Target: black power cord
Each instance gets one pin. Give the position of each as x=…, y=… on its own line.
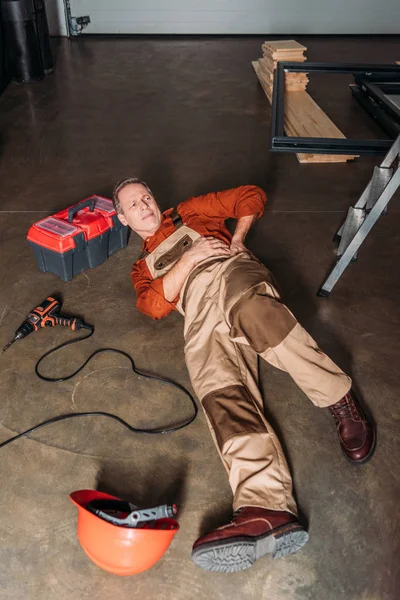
x=100, y=413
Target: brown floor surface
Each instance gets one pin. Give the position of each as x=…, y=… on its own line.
x=188, y=116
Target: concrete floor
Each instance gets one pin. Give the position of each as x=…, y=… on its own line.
x=188, y=116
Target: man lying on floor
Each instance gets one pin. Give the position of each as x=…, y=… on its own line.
x=233, y=313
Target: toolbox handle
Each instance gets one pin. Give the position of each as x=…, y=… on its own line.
x=74, y=209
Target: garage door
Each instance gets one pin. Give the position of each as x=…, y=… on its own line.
x=239, y=16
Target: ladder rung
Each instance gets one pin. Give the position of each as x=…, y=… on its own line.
x=380, y=179
x=354, y=220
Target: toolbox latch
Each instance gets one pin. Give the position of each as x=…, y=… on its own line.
x=80, y=242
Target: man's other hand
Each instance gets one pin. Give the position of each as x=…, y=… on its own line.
x=237, y=246
x=206, y=247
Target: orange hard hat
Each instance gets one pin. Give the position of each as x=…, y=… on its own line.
x=120, y=550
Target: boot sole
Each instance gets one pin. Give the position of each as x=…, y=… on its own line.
x=237, y=554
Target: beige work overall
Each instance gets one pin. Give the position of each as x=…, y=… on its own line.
x=233, y=313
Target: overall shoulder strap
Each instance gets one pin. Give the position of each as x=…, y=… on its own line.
x=143, y=254
x=176, y=218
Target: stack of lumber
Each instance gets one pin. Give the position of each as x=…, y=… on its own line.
x=303, y=116
x=274, y=52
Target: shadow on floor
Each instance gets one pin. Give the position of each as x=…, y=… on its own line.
x=155, y=488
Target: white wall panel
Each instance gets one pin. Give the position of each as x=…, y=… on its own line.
x=238, y=16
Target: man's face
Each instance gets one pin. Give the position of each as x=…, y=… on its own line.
x=139, y=210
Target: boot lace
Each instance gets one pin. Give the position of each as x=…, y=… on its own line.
x=342, y=409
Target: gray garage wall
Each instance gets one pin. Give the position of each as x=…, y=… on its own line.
x=232, y=16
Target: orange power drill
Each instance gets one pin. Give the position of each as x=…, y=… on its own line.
x=46, y=315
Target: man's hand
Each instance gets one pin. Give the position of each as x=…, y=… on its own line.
x=202, y=248
x=237, y=246
x=205, y=247
x=242, y=227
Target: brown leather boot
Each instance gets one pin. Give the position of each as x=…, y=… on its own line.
x=356, y=434
x=252, y=533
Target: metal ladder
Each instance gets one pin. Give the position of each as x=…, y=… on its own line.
x=363, y=216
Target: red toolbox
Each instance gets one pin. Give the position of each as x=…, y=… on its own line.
x=80, y=237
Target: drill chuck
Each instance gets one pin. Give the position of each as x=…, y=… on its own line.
x=25, y=329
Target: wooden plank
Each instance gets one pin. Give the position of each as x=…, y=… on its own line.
x=266, y=75
x=298, y=87
x=296, y=76
x=308, y=118
x=264, y=84
x=284, y=52
x=323, y=158
x=289, y=80
x=283, y=55
x=274, y=60
x=264, y=65
x=284, y=45
x=308, y=122
x=316, y=158
x=271, y=65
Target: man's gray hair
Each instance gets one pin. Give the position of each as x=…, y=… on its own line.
x=120, y=186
